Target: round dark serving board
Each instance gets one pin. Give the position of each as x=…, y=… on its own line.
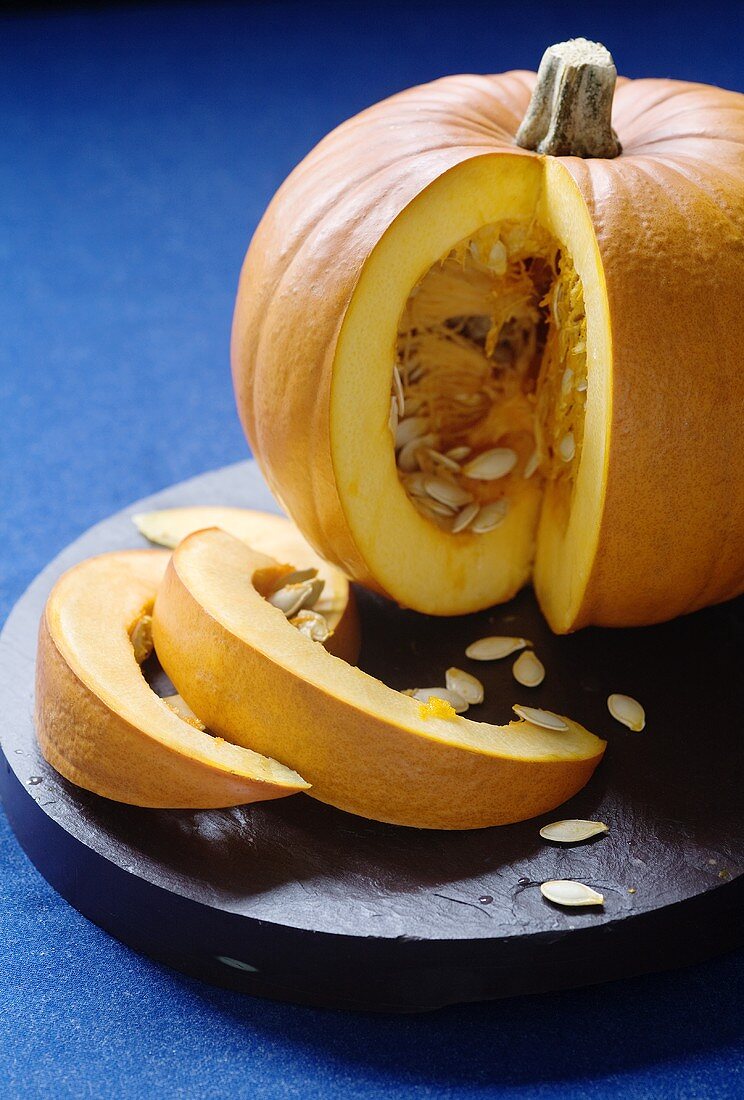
x=298, y=901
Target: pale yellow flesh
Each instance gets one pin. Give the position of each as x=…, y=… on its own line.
x=363, y=746
x=405, y=552
x=101, y=724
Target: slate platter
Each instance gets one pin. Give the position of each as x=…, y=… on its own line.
x=297, y=901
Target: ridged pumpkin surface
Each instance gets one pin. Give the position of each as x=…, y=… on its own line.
x=662, y=529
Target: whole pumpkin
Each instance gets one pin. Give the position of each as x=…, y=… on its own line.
x=463, y=361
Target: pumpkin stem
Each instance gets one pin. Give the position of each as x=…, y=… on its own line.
x=571, y=107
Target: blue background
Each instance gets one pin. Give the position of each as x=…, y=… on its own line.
x=138, y=149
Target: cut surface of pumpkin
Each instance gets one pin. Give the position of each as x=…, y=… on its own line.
x=98, y=721
x=364, y=747
x=520, y=337
x=278, y=538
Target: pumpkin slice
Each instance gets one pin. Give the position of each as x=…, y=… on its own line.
x=98, y=721
x=479, y=336
x=364, y=747
x=277, y=537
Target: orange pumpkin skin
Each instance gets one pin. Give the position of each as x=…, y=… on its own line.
x=668, y=218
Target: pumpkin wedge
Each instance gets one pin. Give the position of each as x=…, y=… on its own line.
x=364, y=748
x=280, y=539
x=482, y=336
x=100, y=724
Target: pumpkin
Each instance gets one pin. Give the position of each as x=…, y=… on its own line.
x=481, y=337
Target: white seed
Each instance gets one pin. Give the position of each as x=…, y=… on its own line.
x=545, y=719
x=489, y=517
x=470, y=399
x=438, y=508
x=293, y=598
x=455, y=700
x=408, y=457
x=464, y=517
x=458, y=453
x=412, y=428
x=528, y=670
x=447, y=492
x=443, y=460
x=531, y=465
x=497, y=258
x=572, y=831
x=493, y=464
x=627, y=710
x=398, y=387
x=567, y=447
x=414, y=483
x=495, y=648
x=393, y=416
x=565, y=891
x=582, y=385
x=474, y=250
x=567, y=380
x=313, y=625
x=461, y=682
x=297, y=576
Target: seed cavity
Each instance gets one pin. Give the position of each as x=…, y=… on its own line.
x=528, y=670
x=627, y=710
x=493, y=464
x=564, y=891
x=543, y=718
x=466, y=686
x=573, y=830
x=495, y=648
x=295, y=576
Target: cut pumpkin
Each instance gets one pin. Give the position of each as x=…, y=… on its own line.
x=463, y=363
x=365, y=748
x=278, y=538
x=98, y=721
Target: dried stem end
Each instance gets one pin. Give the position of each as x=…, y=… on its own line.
x=571, y=107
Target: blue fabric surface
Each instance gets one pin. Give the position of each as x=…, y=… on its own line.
x=139, y=148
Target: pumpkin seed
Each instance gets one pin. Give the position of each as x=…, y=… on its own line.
x=528, y=670
x=297, y=576
x=408, y=456
x=489, y=517
x=439, y=508
x=461, y=682
x=443, y=460
x=457, y=454
x=455, y=700
x=531, y=465
x=398, y=387
x=293, y=598
x=567, y=380
x=464, y=517
x=313, y=625
x=393, y=416
x=545, y=719
x=409, y=429
x=572, y=831
x=564, y=891
x=414, y=483
x=582, y=385
x=567, y=447
x=447, y=492
x=627, y=710
x=494, y=648
x=491, y=465
x=497, y=258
